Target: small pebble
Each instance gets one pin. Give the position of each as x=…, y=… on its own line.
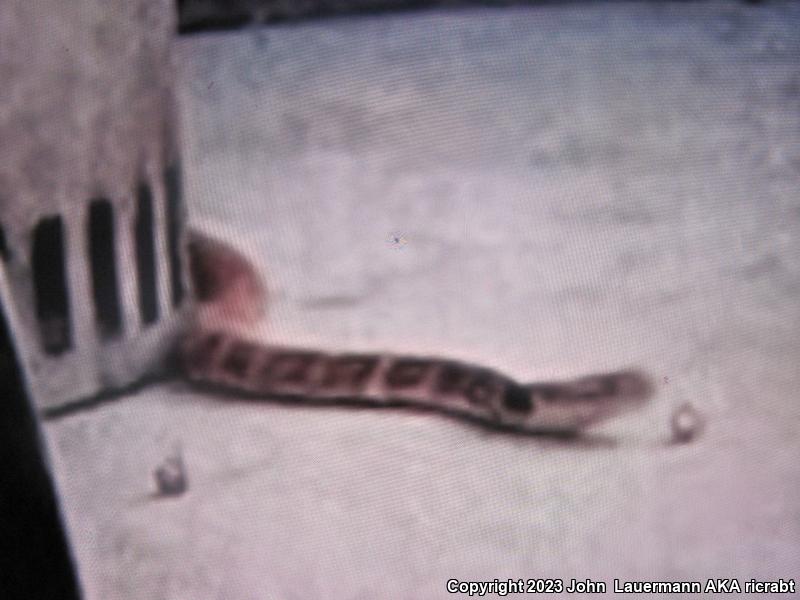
x=171, y=476
x=687, y=424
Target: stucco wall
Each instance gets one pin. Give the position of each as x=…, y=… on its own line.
x=87, y=113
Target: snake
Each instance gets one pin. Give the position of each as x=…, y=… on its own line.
x=213, y=357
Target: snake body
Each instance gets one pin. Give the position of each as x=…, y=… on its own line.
x=221, y=359
x=226, y=361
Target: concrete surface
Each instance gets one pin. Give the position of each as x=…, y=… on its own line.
x=550, y=191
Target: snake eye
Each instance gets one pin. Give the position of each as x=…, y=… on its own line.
x=518, y=399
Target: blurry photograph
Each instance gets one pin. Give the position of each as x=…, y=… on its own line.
x=349, y=300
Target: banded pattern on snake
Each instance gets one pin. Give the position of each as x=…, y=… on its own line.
x=226, y=361
x=228, y=289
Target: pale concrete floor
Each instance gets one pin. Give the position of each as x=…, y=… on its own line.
x=574, y=189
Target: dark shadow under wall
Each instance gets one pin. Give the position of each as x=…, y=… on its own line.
x=202, y=15
x=205, y=15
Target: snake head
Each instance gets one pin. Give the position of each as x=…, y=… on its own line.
x=569, y=407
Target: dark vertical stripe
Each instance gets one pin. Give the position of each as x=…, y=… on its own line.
x=5, y=251
x=172, y=183
x=50, y=285
x=517, y=398
x=103, y=261
x=35, y=560
x=144, y=233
